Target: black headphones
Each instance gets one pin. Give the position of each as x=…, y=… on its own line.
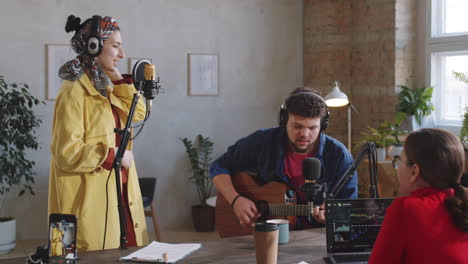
x=284, y=115
x=94, y=42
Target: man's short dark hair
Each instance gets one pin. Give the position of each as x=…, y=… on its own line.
x=306, y=102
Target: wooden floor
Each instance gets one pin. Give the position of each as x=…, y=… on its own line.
x=26, y=247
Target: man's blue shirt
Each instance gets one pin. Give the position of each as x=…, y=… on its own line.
x=264, y=152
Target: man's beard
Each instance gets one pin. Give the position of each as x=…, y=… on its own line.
x=298, y=150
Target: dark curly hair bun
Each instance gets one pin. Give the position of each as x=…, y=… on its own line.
x=73, y=23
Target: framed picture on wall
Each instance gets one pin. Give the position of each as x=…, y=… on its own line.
x=57, y=55
x=203, y=74
x=132, y=61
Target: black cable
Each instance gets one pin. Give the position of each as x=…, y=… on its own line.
x=142, y=124
x=372, y=156
x=141, y=128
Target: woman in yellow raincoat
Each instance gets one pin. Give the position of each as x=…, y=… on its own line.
x=56, y=241
x=94, y=99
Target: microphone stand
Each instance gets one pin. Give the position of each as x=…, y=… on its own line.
x=368, y=149
x=117, y=165
x=311, y=190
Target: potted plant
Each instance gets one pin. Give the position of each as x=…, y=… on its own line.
x=200, y=154
x=382, y=138
x=396, y=132
x=416, y=104
x=17, y=134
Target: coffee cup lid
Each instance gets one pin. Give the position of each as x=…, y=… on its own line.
x=266, y=226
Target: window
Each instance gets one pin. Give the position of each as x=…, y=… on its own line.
x=447, y=47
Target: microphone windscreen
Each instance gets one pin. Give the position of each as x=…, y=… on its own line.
x=311, y=169
x=138, y=72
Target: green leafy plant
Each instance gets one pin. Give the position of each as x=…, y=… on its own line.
x=416, y=102
x=17, y=134
x=460, y=76
x=464, y=129
x=395, y=127
x=382, y=135
x=200, y=154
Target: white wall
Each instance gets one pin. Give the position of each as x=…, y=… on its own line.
x=259, y=43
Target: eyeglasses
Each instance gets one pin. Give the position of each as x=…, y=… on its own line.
x=397, y=160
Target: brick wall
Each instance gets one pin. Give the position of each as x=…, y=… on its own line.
x=368, y=45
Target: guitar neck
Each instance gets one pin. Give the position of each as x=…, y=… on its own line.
x=288, y=209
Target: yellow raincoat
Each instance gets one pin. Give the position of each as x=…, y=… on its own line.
x=82, y=133
x=56, y=242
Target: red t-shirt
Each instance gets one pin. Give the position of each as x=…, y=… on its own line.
x=419, y=229
x=293, y=170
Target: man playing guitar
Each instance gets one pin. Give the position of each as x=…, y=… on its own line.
x=276, y=154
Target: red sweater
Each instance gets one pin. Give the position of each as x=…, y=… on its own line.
x=419, y=229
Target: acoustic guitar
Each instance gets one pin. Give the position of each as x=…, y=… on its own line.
x=270, y=200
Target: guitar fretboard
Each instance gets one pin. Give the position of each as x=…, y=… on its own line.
x=287, y=209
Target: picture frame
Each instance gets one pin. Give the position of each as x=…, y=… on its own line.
x=57, y=55
x=203, y=74
x=132, y=61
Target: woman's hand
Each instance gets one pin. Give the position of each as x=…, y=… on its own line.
x=113, y=74
x=127, y=159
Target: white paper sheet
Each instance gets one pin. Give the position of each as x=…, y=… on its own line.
x=155, y=250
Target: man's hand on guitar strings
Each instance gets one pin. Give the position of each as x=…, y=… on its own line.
x=246, y=211
x=319, y=214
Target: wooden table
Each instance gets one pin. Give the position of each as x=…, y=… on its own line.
x=305, y=245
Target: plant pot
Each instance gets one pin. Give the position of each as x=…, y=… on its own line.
x=381, y=154
x=203, y=218
x=7, y=234
x=394, y=150
x=410, y=124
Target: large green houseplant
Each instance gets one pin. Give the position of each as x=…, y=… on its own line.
x=200, y=155
x=17, y=135
x=415, y=102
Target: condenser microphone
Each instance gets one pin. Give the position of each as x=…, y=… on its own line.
x=311, y=173
x=150, y=84
x=145, y=80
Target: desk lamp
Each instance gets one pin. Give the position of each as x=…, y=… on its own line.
x=336, y=98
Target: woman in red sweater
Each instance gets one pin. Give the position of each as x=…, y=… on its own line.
x=429, y=224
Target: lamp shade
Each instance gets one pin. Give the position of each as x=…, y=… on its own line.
x=336, y=97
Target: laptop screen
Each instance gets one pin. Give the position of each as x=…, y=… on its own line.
x=352, y=225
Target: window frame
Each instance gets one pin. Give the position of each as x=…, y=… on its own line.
x=439, y=44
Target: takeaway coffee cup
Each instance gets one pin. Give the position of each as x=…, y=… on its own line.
x=283, y=225
x=266, y=243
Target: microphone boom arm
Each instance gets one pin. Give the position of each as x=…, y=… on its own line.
x=368, y=149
